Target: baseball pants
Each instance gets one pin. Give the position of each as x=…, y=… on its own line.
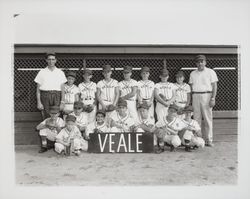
x=193, y=140
x=161, y=111
x=49, y=98
x=151, y=110
x=49, y=134
x=77, y=145
x=132, y=109
x=106, y=103
x=203, y=110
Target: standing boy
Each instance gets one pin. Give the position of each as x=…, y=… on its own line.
x=164, y=94
x=146, y=90
x=203, y=83
x=183, y=92
x=88, y=95
x=128, y=91
x=107, y=91
x=70, y=94
x=49, y=128
x=49, y=86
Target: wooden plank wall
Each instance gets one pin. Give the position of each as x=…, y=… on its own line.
x=225, y=129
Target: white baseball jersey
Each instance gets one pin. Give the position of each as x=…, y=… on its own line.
x=181, y=92
x=173, y=127
x=146, y=89
x=125, y=122
x=90, y=128
x=193, y=125
x=166, y=89
x=70, y=92
x=82, y=119
x=126, y=87
x=107, y=89
x=65, y=134
x=87, y=92
x=149, y=121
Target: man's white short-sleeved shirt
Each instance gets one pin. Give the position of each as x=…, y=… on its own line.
x=107, y=89
x=50, y=80
x=201, y=80
x=126, y=87
x=146, y=88
x=166, y=89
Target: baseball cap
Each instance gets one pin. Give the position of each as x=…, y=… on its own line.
x=180, y=74
x=103, y=112
x=78, y=105
x=54, y=109
x=87, y=71
x=127, y=69
x=50, y=54
x=107, y=68
x=200, y=57
x=174, y=107
x=71, y=118
x=71, y=73
x=144, y=105
x=145, y=69
x=164, y=72
x=188, y=109
x=122, y=102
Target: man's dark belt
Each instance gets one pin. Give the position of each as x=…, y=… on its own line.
x=145, y=99
x=201, y=92
x=52, y=91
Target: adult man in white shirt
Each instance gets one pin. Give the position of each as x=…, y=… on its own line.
x=49, y=85
x=203, y=83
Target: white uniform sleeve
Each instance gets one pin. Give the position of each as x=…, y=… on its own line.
x=196, y=126
x=134, y=83
x=61, y=122
x=188, y=88
x=99, y=84
x=94, y=87
x=191, y=78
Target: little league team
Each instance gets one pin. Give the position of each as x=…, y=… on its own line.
x=71, y=113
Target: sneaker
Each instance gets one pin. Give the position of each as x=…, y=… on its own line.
x=209, y=144
x=172, y=148
x=188, y=148
x=43, y=149
x=77, y=152
x=159, y=150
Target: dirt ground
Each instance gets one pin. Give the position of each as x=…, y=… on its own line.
x=208, y=166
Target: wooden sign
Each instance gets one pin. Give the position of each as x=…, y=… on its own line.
x=121, y=143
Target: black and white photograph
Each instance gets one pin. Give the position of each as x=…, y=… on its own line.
x=125, y=99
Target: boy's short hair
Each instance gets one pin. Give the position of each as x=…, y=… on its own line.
x=78, y=105
x=180, y=74
x=54, y=109
x=71, y=74
x=122, y=102
x=173, y=107
x=144, y=105
x=103, y=112
x=50, y=54
x=71, y=118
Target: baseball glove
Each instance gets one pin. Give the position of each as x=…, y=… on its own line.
x=110, y=108
x=97, y=130
x=163, y=97
x=89, y=108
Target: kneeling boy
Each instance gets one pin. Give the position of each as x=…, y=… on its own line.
x=70, y=136
x=49, y=128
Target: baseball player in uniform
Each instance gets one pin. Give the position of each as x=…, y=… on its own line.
x=99, y=126
x=192, y=133
x=107, y=91
x=203, y=83
x=183, y=92
x=164, y=94
x=88, y=94
x=146, y=90
x=70, y=93
x=120, y=120
x=168, y=129
x=70, y=136
x=81, y=116
x=128, y=91
x=49, y=128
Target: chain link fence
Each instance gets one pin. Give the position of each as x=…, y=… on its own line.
x=26, y=67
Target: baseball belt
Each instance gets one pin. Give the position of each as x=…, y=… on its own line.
x=204, y=92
